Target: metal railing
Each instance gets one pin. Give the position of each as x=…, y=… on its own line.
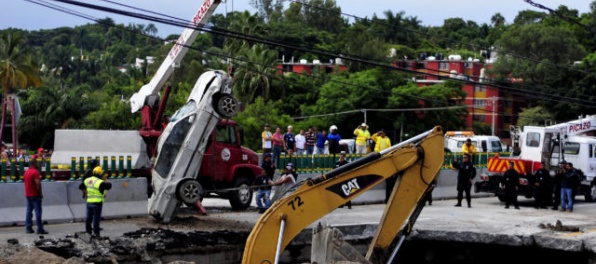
x=321, y=163
x=14, y=171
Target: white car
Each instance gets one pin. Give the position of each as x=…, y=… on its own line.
x=347, y=145
x=182, y=144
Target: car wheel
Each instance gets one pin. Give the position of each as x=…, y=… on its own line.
x=189, y=192
x=591, y=195
x=241, y=198
x=226, y=106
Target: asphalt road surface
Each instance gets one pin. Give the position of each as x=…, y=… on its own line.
x=487, y=215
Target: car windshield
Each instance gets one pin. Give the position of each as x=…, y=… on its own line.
x=171, y=146
x=189, y=107
x=461, y=143
x=496, y=146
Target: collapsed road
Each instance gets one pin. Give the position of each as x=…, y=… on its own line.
x=220, y=236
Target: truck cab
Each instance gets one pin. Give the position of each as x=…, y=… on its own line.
x=227, y=164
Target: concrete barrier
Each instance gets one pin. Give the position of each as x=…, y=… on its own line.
x=55, y=203
x=127, y=198
x=76, y=202
x=76, y=143
x=13, y=205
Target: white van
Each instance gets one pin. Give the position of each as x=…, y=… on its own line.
x=454, y=140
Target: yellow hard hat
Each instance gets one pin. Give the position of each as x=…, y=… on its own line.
x=98, y=171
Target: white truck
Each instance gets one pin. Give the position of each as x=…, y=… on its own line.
x=454, y=140
x=572, y=141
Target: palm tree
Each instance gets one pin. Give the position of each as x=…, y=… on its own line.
x=51, y=107
x=17, y=70
x=246, y=24
x=254, y=73
x=150, y=29
x=60, y=62
x=497, y=20
x=16, y=64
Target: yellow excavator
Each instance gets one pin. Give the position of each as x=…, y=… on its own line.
x=414, y=164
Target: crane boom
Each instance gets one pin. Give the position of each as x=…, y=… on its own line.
x=175, y=55
x=580, y=126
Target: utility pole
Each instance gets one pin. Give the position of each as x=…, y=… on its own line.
x=401, y=127
x=494, y=114
x=364, y=111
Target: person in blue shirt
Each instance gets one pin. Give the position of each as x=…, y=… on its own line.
x=321, y=138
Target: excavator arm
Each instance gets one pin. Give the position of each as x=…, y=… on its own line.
x=415, y=163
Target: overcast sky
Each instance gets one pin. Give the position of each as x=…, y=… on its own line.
x=26, y=15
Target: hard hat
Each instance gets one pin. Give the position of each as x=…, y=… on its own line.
x=289, y=166
x=333, y=127
x=98, y=171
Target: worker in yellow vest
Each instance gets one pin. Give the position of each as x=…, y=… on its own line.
x=381, y=141
x=96, y=187
x=362, y=135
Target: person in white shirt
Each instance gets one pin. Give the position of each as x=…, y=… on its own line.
x=267, y=139
x=285, y=182
x=300, y=143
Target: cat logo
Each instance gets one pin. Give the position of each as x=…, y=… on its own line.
x=350, y=187
x=354, y=186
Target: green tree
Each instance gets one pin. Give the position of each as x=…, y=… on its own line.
x=445, y=94
x=255, y=116
x=527, y=17
x=247, y=24
x=323, y=15
x=253, y=73
x=113, y=114
x=497, y=20
x=534, y=116
x=17, y=69
x=367, y=89
x=51, y=107
x=268, y=9
x=539, y=55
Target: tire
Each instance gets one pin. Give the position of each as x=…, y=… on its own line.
x=226, y=106
x=591, y=195
x=240, y=199
x=189, y=192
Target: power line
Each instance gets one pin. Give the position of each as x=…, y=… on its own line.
x=561, y=16
x=383, y=110
x=227, y=33
x=473, y=46
x=239, y=59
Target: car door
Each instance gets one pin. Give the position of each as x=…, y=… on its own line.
x=227, y=152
